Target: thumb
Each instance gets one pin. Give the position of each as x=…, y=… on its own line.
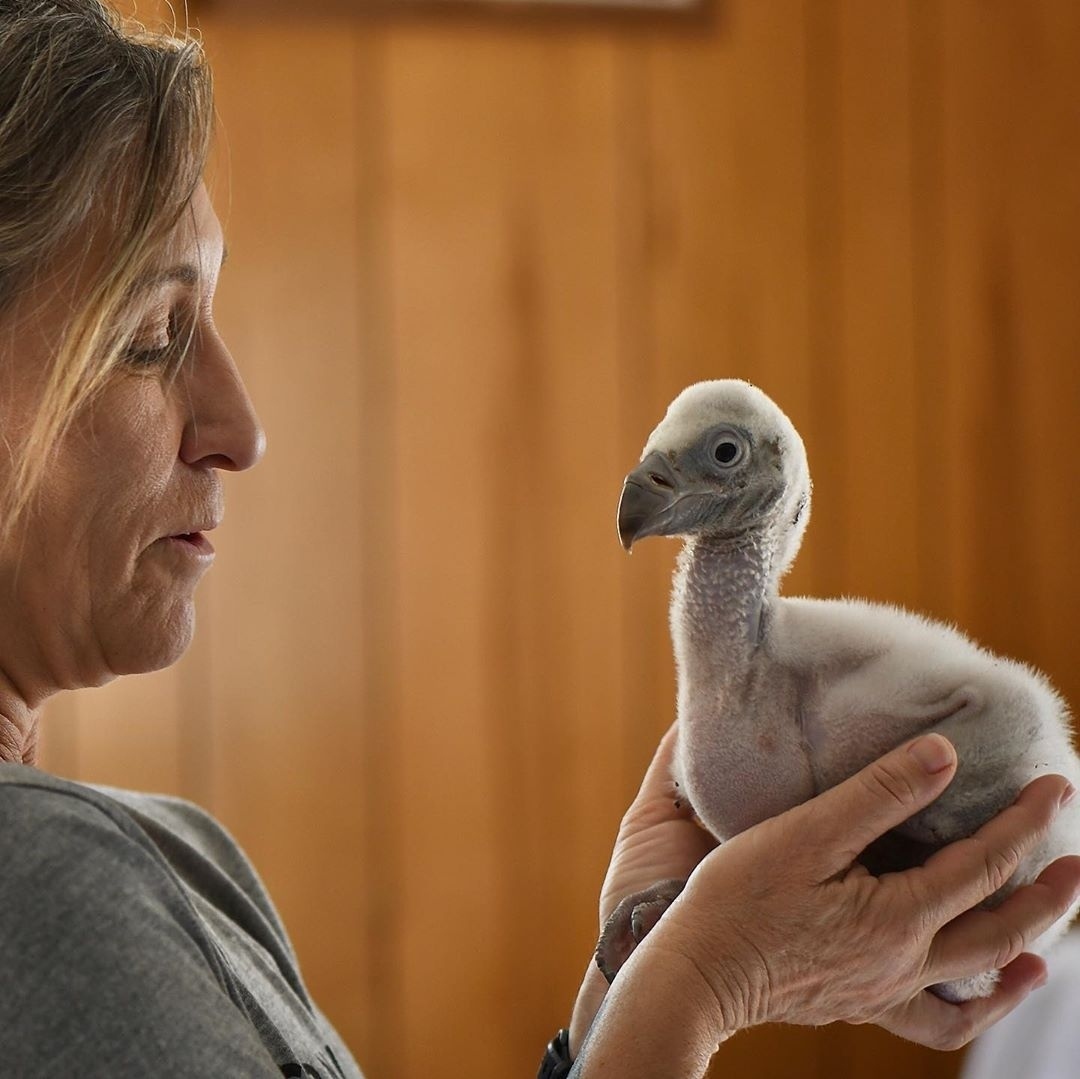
x=850, y=816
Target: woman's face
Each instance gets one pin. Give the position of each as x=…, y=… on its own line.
x=100, y=589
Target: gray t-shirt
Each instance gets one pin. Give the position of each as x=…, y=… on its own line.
x=136, y=940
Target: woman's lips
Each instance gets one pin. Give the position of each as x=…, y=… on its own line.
x=195, y=541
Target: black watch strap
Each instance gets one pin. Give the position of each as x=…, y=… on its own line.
x=557, y=1062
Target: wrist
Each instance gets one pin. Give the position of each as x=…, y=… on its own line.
x=713, y=989
x=660, y=1017
x=722, y=959
x=594, y=987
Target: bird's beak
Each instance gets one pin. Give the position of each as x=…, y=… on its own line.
x=648, y=494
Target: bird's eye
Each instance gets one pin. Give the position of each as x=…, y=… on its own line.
x=728, y=451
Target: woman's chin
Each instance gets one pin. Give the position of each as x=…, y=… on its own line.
x=155, y=647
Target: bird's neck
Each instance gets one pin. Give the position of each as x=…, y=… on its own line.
x=721, y=594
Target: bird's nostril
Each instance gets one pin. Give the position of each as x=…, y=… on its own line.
x=660, y=481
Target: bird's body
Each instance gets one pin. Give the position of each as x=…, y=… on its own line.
x=780, y=698
x=830, y=685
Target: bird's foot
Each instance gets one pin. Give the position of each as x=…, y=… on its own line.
x=630, y=923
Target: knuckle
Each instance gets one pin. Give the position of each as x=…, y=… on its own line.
x=999, y=863
x=957, y=1035
x=862, y=1014
x=1013, y=945
x=882, y=782
x=949, y=1042
x=913, y=918
x=940, y=1040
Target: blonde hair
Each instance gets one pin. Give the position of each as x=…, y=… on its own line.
x=105, y=129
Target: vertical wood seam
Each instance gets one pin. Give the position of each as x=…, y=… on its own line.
x=823, y=255
x=379, y=660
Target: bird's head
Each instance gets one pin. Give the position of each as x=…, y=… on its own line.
x=723, y=462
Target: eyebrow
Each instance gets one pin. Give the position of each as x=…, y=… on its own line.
x=184, y=274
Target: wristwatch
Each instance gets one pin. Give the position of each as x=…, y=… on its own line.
x=557, y=1063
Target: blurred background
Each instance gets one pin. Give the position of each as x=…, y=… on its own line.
x=474, y=254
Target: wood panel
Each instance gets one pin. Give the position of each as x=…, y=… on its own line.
x=446, y=236
x=878, y=388
x=1046, y=218
x=1011, y=116
x=287, y=753
x=503, y=233
x=472, y=262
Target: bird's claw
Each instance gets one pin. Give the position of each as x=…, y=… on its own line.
x=630, y=923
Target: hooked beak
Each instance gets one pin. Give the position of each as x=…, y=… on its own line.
x=648, y=494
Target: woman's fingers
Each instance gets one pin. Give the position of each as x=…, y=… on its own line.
x=879, y=797
x=985, y=939
x=931, y=1021
x=967, y=871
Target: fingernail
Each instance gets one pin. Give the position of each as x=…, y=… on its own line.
x=1068, y=795
x=932, y=752
x=1041, y=982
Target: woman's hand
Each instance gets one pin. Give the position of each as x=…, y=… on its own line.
x=781, y=924
x=786, y=926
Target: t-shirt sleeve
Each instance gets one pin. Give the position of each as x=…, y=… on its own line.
x=106, y=971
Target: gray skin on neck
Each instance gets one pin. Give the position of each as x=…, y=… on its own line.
x=722, y=587
x=743, y=753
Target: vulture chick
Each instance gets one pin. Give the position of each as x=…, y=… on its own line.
x=780, y=698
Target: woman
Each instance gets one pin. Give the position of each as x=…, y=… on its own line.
x=136, y=939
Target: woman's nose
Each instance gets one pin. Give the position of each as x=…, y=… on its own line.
x=221, y=429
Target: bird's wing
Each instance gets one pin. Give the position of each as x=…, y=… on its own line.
x=877, y=675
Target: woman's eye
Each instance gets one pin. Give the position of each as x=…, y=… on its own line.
x=152, y=355
x=147, y=357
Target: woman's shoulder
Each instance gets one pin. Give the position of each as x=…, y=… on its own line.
x=63, y=839
x=176, y=816
x=45, y=815
x=110, y=965
x=30, y=798
x=192, y=840
x=77, y=861
x=73, y=859
x=59, y=837
x=51, y=810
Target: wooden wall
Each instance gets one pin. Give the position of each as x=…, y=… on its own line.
x=472, y=260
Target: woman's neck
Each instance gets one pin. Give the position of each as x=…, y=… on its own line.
x=19, y=725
